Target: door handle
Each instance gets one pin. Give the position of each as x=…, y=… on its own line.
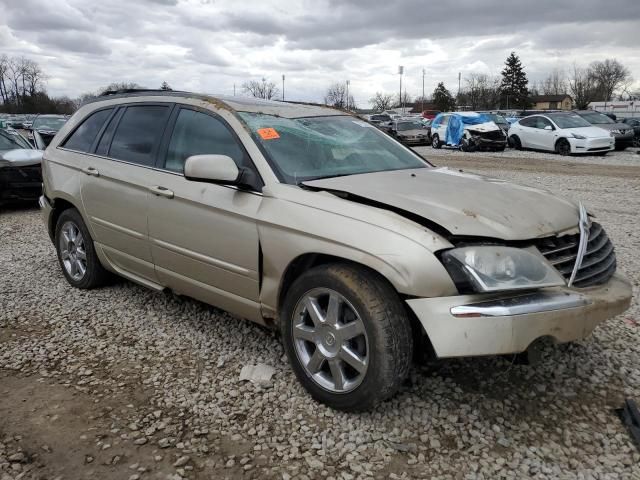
x=161, y=191
x=91, y=171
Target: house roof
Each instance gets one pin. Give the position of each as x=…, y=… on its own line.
x=550, y=98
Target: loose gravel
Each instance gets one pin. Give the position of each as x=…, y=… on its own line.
x=122, y=382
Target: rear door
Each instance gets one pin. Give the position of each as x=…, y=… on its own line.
x=441, y=129
x=204, y=236
x=526, y=132
x=115, y=193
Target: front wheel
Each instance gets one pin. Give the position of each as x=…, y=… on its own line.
x=514, y=141
x=563, y=147
x=347, y=336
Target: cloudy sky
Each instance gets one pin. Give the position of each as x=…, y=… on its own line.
x=210, y=45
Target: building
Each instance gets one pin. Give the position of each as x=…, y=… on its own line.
x=620, y=108
x=551, y=102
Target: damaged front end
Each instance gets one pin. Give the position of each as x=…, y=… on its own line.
x=476, y=139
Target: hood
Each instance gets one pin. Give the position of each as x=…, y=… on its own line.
x=463, y=204
x=417, y=131
x=590, y=132
x=613, y=126
x=20, y=157
x=483, y=127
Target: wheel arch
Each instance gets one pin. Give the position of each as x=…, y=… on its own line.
x=59, y=205
x=306, y=261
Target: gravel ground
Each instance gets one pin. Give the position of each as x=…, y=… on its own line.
x=125, y=383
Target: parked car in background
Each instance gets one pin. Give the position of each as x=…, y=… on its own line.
x=468, y=131
x=563, y=133
x=635, y=124
x=47, y=126
x=20, y=170
x=500, y=121
x=410, y=132
x=15, y=121
x=622, y=132
x=378, y=118
x=430, y=114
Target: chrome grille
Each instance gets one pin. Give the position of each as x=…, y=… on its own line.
x=598, y=264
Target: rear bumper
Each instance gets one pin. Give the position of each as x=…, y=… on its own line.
x=470, y=325
x=45, y=210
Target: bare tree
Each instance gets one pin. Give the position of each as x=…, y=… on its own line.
x=554, y=84
x=401, y=102
x=263, y=89
x=336, y=96
x=381, y=101
x=609, y=76
x=481, y=92
x=582, y=86
x=115, y=86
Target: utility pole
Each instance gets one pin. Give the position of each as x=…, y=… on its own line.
x=423, y=72
x=234, y=89
x=400, y=72
x=283, y=87
x=459, y=78
x=347, y=94
x=264, y=88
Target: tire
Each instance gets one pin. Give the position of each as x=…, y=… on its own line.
x=435, y=141
x=514, y=141
x=73, y=242
x=563, y=147
x=371, y=306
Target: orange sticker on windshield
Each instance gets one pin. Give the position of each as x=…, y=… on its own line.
x=268, y=133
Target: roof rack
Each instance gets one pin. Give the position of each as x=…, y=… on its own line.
x=131, y=90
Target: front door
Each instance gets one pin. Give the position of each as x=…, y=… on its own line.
x=204, y=236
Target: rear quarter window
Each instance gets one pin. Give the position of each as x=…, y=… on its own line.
x=82, y=138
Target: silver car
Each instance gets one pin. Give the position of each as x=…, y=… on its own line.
x=313, y=222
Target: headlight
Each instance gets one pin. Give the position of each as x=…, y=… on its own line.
x=616, y=132
x=495, y=268
x=579, y=137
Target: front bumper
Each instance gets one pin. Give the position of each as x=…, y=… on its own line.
x=20, y=183
x=591, y=145
x=471, y=325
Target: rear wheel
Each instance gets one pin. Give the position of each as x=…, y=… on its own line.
x=347, y=336
x=76, y=253
x=435, y=141
x=563, y=147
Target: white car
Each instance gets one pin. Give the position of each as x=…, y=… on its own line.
x=564, y=133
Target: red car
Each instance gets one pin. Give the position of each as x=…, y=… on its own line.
x=430, y=114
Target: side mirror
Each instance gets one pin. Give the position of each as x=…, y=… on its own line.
x=212, y=168
x=548, y=127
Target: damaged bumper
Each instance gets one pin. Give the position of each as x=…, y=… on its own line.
x=470, y=325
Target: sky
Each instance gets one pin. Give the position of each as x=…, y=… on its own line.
x=211, y=45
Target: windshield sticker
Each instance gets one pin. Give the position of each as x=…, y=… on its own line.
x=268, y=133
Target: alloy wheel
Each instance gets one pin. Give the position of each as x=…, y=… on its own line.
x=72, y=251
x=330, y=340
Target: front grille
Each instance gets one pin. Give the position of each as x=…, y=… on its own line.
x=598, y=263
x=494, y=135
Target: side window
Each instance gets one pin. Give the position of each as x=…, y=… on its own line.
x=197, y=133
x=138, y=134
x=528, y=122
x=103, y=145
x=542, y=122
x=82, y=138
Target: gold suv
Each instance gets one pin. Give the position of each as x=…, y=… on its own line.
x=312, y=221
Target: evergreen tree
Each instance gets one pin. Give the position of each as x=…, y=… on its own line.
x=513, y=88
x=443, y=99
x=165, y=86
